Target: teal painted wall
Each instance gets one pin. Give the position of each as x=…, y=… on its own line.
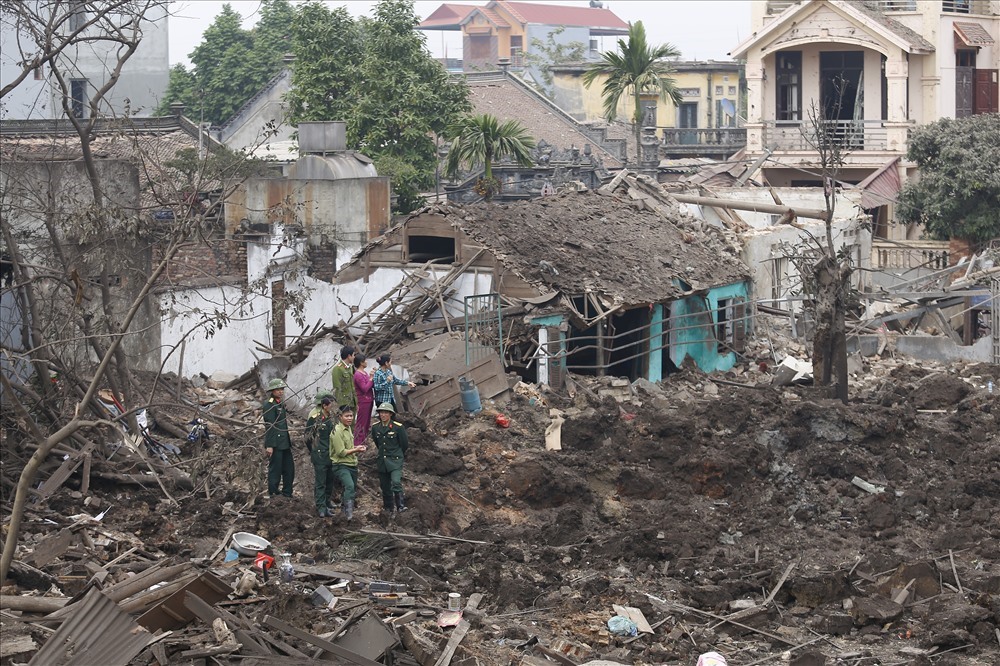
x=692, y=324
x=656, y=344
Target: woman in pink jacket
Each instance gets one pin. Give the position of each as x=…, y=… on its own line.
x=365, y=388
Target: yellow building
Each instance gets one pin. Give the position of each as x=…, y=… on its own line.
x=707, y=121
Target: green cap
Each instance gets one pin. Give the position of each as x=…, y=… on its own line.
x=386, y=407
x=321, y=395
x=276, y=384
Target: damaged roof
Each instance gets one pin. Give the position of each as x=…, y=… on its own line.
x=614, y=246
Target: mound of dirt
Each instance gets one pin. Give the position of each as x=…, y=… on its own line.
x=736, y=518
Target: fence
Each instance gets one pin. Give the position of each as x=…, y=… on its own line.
x=850, y=134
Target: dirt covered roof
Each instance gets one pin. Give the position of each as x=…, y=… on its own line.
x=579, y=242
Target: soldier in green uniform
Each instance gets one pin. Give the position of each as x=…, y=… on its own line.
x=390, y=438
x=344, y=456
x=319, y=425
x=277, y=442
x=344, y=393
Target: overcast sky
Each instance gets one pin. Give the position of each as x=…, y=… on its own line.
x=701, y=29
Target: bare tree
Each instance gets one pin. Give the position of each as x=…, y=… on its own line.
x=83, y=251
x=829, y=277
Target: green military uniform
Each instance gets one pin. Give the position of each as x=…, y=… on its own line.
x=280, y=466
x=318, y=429
x=343, y=386
x=391, y=441
x=345, y=465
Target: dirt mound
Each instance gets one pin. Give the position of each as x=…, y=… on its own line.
x=875, y=524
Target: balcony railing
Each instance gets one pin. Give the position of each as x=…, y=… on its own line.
x=924, y=254
x=897, y=5
x=801, y=135
x=722, y=136
x=968, y=7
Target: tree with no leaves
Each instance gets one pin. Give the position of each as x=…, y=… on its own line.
x=68, y=226
x=481, y=139
x=634, y=69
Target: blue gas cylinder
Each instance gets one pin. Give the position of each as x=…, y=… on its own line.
x=470, y=395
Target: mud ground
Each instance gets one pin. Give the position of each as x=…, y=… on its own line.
x=688, y=497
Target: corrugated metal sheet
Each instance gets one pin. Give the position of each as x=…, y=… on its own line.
x=882, y=187
x=97, y=632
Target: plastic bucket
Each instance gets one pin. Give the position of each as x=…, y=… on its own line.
x=470, y=395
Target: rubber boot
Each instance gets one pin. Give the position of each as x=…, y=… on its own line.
x=349, y=510
x=387, y=504
x=400, y=504
x=324, y=513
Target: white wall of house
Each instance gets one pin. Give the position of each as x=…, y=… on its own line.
x=763, y=249
x=140, y=87
x=263, y=120
x=335, y=303
x=186, y=315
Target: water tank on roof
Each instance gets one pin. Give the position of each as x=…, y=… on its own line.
x=338, y=166
x=322, y=137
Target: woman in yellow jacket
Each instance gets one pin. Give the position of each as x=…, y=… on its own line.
x=343, y=455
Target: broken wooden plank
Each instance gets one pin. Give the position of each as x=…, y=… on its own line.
x=208, y=614
x=280, y=625
x=459, y=633
x=52, y=547
x=635, y=615
x=32, y=604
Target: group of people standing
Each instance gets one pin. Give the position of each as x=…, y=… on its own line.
x=336, y=431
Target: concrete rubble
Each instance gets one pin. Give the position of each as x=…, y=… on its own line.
x=721, y=513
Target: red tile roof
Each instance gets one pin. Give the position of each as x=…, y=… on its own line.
x=588, y=17
x=451, y=16
x=447, y=17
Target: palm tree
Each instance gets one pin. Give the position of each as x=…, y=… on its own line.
x=634, y=69
x=480, y=139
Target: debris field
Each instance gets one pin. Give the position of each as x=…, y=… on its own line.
x=769, y=524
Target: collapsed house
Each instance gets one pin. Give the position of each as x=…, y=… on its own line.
x=583, y=281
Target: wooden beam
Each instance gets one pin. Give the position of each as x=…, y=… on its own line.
x=333, y=648
x=811, y=213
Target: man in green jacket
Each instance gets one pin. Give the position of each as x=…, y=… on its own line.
x=277, y=442
x=390, y=439
x=319, y=425
x=344, y=394
x=344, y=456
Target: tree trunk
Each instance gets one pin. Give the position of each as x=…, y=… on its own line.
x=829, y=355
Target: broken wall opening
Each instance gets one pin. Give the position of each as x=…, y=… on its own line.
x=438, y=249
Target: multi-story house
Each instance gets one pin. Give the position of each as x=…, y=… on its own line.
x=88, y=62
x=706, y=123
x=868, y=72
x=501, y=30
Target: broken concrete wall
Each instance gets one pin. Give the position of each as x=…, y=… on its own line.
x=693, y=326
x=762, y=244
x=343, y=214
x=218, y=326
x=340, y=302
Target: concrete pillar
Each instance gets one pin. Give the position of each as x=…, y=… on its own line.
x=897, y=123
x=756, y=89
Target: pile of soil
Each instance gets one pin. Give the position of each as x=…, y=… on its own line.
x=690, y=500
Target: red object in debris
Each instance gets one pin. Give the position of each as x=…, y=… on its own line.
x=263, y=561
x=503, y=421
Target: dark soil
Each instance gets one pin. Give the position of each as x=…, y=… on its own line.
x=679, y=506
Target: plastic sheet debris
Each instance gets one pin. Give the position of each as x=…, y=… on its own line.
x=622, y=626
x=711, y=659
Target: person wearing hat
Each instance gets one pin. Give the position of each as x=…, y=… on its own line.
x=277, y=442
x=390, y=439
x=344, y=456
x=319, y=425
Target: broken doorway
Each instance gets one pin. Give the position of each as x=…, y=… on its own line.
x=842, y=97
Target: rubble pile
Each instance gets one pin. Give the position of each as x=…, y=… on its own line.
x=705, y=513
